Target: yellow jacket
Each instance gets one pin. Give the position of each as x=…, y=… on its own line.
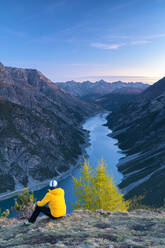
x=56, y=201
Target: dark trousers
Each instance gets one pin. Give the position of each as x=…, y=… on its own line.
x=38, y=210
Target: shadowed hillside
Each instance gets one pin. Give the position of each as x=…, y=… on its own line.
x=40, y=128
x=140, y=129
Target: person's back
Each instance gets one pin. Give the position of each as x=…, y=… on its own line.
x=56, y=201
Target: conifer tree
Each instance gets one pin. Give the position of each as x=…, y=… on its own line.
x=100, y=182
x=83, y=188
x=115, y=201
x=24, y=204
x=95, y=189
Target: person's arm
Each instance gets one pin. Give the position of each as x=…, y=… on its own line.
x=44, y=201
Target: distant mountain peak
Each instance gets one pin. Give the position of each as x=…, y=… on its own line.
x=98, y=88
x=101, y=81
x=72, y=82
x=1, y=65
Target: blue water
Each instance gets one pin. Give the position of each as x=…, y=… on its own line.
x=102, y=146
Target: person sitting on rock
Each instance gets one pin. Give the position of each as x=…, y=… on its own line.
x=56, y=202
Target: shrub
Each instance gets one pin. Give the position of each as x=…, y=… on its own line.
x=24, y=204
x=136, y=203
x=4, y=214
x=95, y=189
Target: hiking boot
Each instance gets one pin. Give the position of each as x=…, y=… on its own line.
x=27, y=223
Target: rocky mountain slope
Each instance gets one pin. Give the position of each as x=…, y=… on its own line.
x=40, y=129
x=83, y=229
x=119, y=97
x=140, y=129
x=91, y=90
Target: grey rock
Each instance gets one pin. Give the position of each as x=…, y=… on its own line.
x=40, y=128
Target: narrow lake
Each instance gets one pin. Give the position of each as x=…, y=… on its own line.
x=102, y=146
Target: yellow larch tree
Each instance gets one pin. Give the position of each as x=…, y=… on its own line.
x=95, y=189
x=115, y=200
x=100, y=182
x=83, y=188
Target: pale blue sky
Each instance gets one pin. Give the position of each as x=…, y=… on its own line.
x=85, y=39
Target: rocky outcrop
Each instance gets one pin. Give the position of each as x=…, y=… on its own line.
x=136, y=229
x=40, y=129
x=140, y=129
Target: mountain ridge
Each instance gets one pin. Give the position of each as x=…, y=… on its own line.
x=139, y=127
x=40, y=131
x=98, y=88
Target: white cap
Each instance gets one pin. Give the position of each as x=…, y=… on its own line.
x=53, y=183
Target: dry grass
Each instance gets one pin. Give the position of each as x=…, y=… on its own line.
x=83, y=229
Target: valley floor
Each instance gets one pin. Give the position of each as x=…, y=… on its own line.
x=83, y=229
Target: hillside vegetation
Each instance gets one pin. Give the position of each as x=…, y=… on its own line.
x=84, y=229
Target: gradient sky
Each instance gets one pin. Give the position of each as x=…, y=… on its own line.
x=85, y=39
